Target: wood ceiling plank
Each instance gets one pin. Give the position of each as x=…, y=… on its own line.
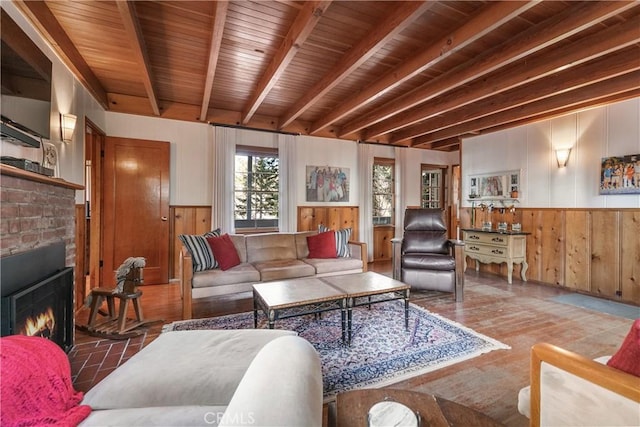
x=527, y=71
x=402, y=16
x=486, y=21
x=305, y=22
x=136, y=40
x=565, y=102
x=608, y=67
x=556, y=28
x=42, y=18
x=217, y=31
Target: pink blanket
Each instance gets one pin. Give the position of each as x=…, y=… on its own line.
x=35, y=380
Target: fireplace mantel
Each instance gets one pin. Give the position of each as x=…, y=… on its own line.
x=19, y=173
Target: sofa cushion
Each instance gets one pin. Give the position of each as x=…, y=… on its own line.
x=334, y=265
x=239, y=241
x=283, y=269
x=627, y=358
x=322, y=245
x=271, y=247
x=241, y=273
x=302, y=248
x=201, y=367
x=198, y=247
x=224, y=251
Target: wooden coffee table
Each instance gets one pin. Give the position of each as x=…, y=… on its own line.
x=297, y=297
x=352, y=408
x=361, y=287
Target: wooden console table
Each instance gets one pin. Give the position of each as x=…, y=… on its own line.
x=496, y=247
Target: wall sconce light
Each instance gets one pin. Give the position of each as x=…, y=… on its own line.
x=562, y=156
x=67, y=126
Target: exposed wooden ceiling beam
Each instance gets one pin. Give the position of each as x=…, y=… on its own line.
x=568, y=80
x=496, y=14
x=221, y=8
x=304, y=23
x=397, y=21
x=565, y=102
x=41, y=17
x=131, y=25
x=526, y=72
x=559, y=27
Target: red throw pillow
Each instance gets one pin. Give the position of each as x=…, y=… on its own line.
x=322, y=245
x=627, y=358
x=224, y=251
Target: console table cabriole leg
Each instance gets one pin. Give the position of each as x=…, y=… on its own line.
x=523, y=271
x=509, y=271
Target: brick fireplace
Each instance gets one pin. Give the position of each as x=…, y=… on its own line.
x=37, y=254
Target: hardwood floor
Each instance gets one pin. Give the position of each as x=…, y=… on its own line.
x=518, y=315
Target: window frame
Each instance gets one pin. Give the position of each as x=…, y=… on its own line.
x=384, y=161
x=442, y=202
x=254, y=225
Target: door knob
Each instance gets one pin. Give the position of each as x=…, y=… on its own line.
x=164, y=218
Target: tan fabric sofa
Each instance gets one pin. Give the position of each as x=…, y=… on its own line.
x=264, y=257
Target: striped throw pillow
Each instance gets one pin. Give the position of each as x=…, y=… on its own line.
x=342, y=240
x=200, y=251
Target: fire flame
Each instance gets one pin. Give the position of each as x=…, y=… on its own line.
x=41, y=326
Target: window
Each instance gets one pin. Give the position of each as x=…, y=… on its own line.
x=432, y=187
x=383, y=191
x=256, y=188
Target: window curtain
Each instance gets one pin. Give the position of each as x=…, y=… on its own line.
x=224, y=151
x=365, y=172
x=401, y=155
x=288, y=192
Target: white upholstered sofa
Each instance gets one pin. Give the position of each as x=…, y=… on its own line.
x=570, y=390
x=213, y=378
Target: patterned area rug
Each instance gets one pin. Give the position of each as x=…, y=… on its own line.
x=382, y=352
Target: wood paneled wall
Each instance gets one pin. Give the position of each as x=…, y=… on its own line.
x=596, y=251
x=185, y=220
x=382, y=236
x=334, y=217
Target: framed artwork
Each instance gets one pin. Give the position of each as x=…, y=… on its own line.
x=497, y=185
x=327, y=184
x=620, y=174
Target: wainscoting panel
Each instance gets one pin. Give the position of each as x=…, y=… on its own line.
x=382, y=236
x=185, y=220
x=334, y=217
x=595, y=251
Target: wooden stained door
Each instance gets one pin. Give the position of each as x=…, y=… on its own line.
x=136, y=207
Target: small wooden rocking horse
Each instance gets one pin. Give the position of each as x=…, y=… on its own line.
x=128, y=277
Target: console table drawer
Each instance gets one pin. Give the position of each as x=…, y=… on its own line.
x=491, y=238
x=493, y=251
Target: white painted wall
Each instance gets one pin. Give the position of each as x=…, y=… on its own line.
x=68, y=96
x=613, y=130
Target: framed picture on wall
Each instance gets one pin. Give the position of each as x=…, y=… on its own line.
x=497, y=185
x=620, y=174
x=327, y=184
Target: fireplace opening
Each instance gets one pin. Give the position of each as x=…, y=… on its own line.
x=37, y=295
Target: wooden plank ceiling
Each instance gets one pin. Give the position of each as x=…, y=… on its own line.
x=416, y=73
